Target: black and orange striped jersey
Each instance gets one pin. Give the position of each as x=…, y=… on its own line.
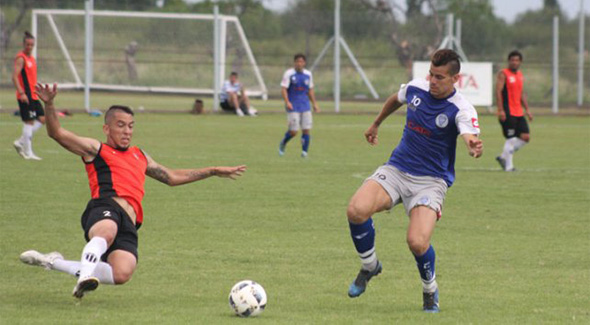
x=119, y=173
x=512, y=93
x=27, y=77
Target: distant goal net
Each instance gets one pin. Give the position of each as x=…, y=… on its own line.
x=143, y=51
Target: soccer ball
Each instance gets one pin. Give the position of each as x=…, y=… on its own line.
x=247, y=298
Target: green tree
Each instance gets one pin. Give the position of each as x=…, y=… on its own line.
x=482, y=33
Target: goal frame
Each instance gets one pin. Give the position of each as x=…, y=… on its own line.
x=80, y=84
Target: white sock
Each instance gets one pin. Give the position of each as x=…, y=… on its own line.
x=369, y=260
x=91, y=256
x=26, y=137
x=518, y=143
x=103, y=271
x=36, y=126
x=429, y=286
x=508, y=148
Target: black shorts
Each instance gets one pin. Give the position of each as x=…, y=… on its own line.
x=106, y=208
x=31, y=111
x=228, y=108
x=514, y=126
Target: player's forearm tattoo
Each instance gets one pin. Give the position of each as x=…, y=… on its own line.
x=200, y=173
x=158, y=174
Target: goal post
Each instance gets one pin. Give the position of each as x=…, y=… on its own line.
x=143, y=51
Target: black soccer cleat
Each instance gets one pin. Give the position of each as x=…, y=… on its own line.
x=430, y=302
x=502, y=162
x=360, y=283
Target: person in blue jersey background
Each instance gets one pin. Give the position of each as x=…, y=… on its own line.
x=297, y=91
x=419, y=171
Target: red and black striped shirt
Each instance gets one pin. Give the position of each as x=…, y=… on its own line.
x=119, y=173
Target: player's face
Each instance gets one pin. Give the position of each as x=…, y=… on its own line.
x=28, y=45
x=299, y=64
x=233, y=79
x=119, y=130
x=514, y=62
x=442, y=83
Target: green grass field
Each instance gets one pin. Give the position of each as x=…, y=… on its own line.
x=512, y=248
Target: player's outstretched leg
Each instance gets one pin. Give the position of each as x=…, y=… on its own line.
x=363, y=236
x=35, y=258
x=55, y=261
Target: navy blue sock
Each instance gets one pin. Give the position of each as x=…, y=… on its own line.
x=363, y=236
x=286, y=138
x=305, y=139
x=425, y=265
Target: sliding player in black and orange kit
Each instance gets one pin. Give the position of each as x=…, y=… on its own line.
x=24, y=78
x=511, y=98
x=116, y=174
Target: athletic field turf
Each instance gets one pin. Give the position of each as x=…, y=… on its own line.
x=512, y=248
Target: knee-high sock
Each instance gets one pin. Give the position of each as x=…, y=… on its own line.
x=36, y=126
x=510, y=147
x=26, y=137
x=103, y=271
x=91, y=256
x=363, y=236
x=425, y=265
x=286, y=138
x=518, y=143
x=305, y=140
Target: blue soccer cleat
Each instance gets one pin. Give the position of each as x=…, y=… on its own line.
x=430, y=302
x=360, y=283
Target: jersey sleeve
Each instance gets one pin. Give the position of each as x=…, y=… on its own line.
x=401, y=94
x=467, y=121
x=286, y=76
x=403, y=89
x=310, y=80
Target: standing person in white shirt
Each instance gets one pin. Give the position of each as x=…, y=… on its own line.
x=233, y=97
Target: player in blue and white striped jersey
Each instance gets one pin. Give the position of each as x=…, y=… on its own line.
x=419, y=171
x=297, y=91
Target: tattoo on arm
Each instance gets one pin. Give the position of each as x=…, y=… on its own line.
x=158, y=173
x=198, y=174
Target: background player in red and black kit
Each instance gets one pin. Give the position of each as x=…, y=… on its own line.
x=116, y=174
x=511, y=99
x=24, y=78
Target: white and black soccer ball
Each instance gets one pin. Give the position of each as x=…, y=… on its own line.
x=247, y=298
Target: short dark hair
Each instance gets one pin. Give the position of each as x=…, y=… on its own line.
x=28, y=36
x=515, y=53
x=444, y=57
x=114, y=108
x=299, y=55
x=233, y=73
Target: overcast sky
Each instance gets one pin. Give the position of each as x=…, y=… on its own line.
x=506, y=9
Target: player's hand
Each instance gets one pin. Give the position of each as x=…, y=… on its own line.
x=502, y=116
x=230, y=172
x=475, y=147
x=45, y=93
x=371, y=134
x=23, y=98
x=316, y=108
x=529, y=115
x=289, y=106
